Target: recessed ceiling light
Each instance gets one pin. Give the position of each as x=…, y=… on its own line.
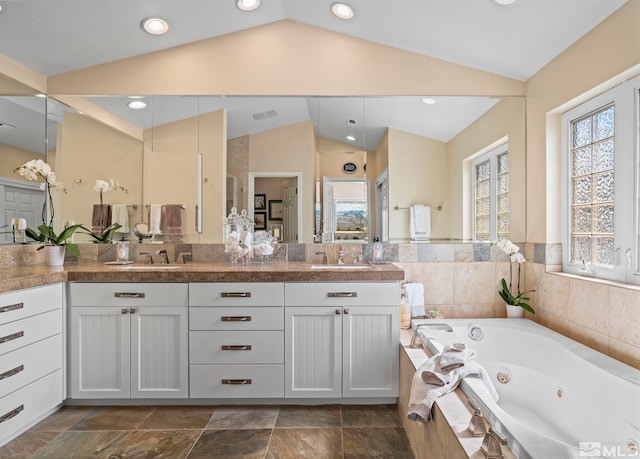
x=248, y=5
x=137, y=104
x=342, y=10
x=351, y=138
x=155, y=26
x=428, y=100
x=506, y=2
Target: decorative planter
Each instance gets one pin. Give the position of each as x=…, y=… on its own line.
x=514, y=311
x=54, y=255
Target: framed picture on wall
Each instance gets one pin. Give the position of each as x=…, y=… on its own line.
x=275, y=209
x=260, y=219
x=260, y=201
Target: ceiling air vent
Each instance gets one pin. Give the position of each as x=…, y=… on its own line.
x=265, y=115
x=351, y=122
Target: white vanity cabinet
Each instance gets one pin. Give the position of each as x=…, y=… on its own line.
x=236, y=340
x=128, y=340
x=31, y=350
x=341, y=339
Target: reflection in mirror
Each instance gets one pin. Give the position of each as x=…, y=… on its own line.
x=414, y=154
x=22, y=138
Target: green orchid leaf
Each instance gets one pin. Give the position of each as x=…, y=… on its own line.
x=72, y=248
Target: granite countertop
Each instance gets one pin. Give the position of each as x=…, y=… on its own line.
x=36, y=275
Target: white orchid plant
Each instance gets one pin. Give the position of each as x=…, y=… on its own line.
x=36, y=170
x=506, y=292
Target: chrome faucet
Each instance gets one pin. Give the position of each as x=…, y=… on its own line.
x=340, y=258
x=477, y=427
x=164, y=258
x=436, y=326
x=324, y=256
x=492, y=445
x=182, y=255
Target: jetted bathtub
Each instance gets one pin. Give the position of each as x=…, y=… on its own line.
x=557, y=398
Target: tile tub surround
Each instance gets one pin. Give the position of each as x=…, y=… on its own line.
x=211, y=431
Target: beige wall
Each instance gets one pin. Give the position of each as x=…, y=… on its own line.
x=289, y=149
x=171, y=165
x=417, y=175
x=86, y=151
x=12, y=157
x=506, y=120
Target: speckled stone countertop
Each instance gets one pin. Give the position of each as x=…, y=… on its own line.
x=17, y=278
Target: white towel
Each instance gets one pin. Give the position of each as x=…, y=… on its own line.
x=414, y=292
x=420, y=222
x=155, y=218
x=430, y=382
x=120, y=214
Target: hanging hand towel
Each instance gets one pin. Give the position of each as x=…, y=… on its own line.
x=173, y=218
x=120, y=215
x=100, y=218
x=155, y=218
x=415, y=298
x=420, y=222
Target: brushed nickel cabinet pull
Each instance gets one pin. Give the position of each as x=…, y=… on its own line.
x=132, y=310
x=342, y=294
x=17, y=335
x=11, y=307
x=235, y=294
x=12, y=372
x=236, y=318
x=338, y=311
x=128, y=295
x=124, y=310
x=235, y=347
x=236, y=382
x=11, y=414
x=346, y=310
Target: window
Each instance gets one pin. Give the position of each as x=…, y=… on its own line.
x=600, y=164
x=491, y=195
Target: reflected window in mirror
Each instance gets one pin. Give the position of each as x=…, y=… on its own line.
x=491, y=195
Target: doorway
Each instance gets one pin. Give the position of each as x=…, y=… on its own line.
x=19, y=200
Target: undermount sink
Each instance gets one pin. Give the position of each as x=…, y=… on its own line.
x=147, y=267
x=340, y=267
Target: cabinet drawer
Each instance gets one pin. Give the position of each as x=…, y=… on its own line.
x=26, y=331
x=24, y=303
x=130, y=294
x=237, y=318
x=26, y=405
x=236, y=381
x=236, y=294
x=236, y=347
x=342, y=293
x=26, y=364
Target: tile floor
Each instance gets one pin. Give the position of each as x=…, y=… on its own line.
x=331, y=431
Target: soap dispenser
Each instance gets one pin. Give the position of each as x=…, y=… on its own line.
x=377, y=250
x=122, y=251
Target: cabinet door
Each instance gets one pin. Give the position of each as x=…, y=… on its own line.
x=370, y=351
x=313, y=352
x=159, y=352
x=100, y=352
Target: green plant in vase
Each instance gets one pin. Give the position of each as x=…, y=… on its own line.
x=506, y=292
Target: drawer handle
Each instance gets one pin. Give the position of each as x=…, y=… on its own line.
x=12, y=307
x=12, y=414
x=236, y=382
x=17, y=335
x=236, y=318
x=236, y=347
x=128, y=295
x=8, y=374
x=342, y=294
x=235, y=294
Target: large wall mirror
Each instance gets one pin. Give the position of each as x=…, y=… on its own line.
x=308, y=168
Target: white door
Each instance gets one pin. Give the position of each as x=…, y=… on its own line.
x=313, y=352
x=159, y=352
x=370, y=351
x=328, y=211
x=100, y=350
x=19, y=201
x=290, y=211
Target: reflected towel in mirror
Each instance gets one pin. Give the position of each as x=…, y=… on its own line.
x=155, y=218
x=120, y=215
x=420, y=222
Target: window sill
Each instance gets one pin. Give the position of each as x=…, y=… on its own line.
x=597, y=280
